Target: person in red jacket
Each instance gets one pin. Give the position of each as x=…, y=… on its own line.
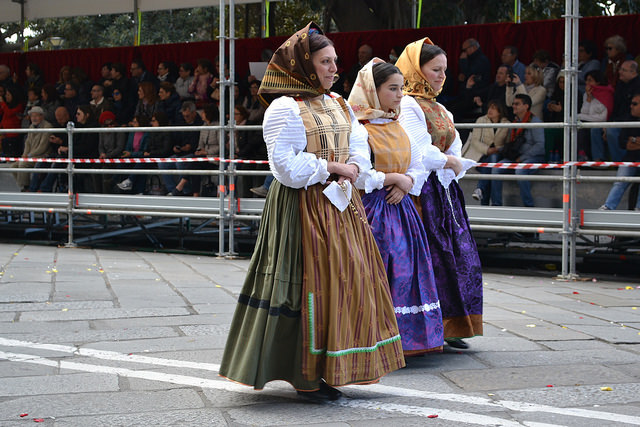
x=11, y=106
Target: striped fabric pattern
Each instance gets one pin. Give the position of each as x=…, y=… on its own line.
x=327, y=125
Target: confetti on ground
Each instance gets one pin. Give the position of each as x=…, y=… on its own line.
x=490, y=394
x=432, y=416
x=23, y=415
x=38, y=420
x=88, y=269
x=218, y=286
x=531, y=326
x=629, y=288
x=576, y=293
x=594, y=280
x=523, y=312
x=54, y=270
x=606, y=389
x=549, y=385
x=65, y=309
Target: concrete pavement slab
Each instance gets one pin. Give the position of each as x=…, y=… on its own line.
x=194, y=417
x=534, y=376
x=105, y=313
x=542, y=358
x=539, y=330
x=58, y=384
x=613, y=333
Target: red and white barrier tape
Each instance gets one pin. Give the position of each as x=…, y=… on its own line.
x=135, y=160
x=265, y=162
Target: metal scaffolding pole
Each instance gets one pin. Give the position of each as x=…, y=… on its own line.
x=221, y=135
x=230, y=84
x=569, y=206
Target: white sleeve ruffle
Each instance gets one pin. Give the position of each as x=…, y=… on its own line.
x=285, y=137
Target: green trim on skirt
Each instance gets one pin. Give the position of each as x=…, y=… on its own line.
x=265, y=340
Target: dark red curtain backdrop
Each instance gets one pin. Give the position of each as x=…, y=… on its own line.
x=528, y=37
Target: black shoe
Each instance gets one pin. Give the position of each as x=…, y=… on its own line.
x=457, y=343
x=325, y=393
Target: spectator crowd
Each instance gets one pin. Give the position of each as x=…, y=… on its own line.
x=184, y=95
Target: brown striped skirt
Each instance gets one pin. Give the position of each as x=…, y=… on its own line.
x=315, y=303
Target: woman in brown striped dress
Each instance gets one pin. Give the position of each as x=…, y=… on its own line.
x=315, y=309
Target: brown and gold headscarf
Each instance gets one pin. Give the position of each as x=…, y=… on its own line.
x=290, y=71
x=441, y=128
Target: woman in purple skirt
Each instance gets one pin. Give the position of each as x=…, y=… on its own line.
x=454, y=255
x=395, y=222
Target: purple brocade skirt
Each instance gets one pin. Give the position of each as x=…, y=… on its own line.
x=402, y=242
x=454, y=255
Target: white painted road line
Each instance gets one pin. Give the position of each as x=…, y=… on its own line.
x=444, y=414
x=376, y=388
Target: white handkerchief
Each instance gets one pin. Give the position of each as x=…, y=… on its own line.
x=336, y=195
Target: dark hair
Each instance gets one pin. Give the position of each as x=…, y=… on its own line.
x=107, y=65
x=34, y=69
x=542, y=55
x=598, y=76
x=88, y=111
x=526, y=99
x=211, y=112
x=589, y=47
x=139, y=63
x=143, y=120
x=161, y=117
x=119, y=67
x=382, y=71
x=243, y=111
x=512, y=49
x=318, y=41
x=499, y=105
x=16, y=96
x=205, y=63
x=50, y=90
x=148, y=91
x=187, y=67
x=398, y=49
x=430, y=51
x=168, y=87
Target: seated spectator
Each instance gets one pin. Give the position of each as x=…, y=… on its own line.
x=188, y=142
x=587, y=61
x=122, y=84
x=71, y=100
x=147, y=100
x=249, y=146
x=98, y=102
x=394, y=54
x=532, y=86
x=208, y=146
x=597, y=106
x=550, y=70
x=137, y=141
x=64, y=78
x=105, y=73
x=158, y=146
x=49, y=102
x=484, y=146
x=510, y=57
x=170, y=102
x=616, y=50
x=554, y=112
x=110, y=146
x=253, y=104
x=35, y=145
x=167, y=72
x=11, y=107
x=494, y=91
x=57, y=140
x=140, y=74
x=628, y=85
x=34, y=78
x=523, y=146
x=203, y=78
x=629, y=140
x=474, y=64
x=184, y=80
x=124, y=110
x=83, y=84
x=33, y=100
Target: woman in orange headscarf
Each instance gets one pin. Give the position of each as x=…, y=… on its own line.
x=456, y=263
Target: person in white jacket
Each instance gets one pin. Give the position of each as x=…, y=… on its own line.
x=454, y=255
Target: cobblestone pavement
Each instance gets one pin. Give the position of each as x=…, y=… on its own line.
x=119, y=338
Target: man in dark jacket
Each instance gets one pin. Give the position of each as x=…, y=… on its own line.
x=628, y=85
x=629, y=141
